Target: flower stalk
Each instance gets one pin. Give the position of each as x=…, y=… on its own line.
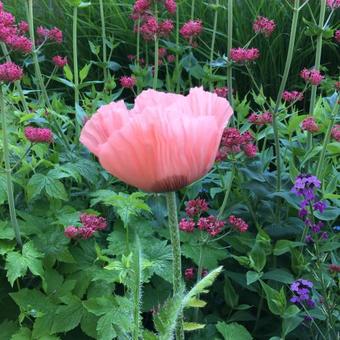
x=8, y=171
x=317, y=65
x=102, y=19
x=37, y=69
x=229, y=47
x=289, y=58
x=212, y=47
x=75, y=56
x=176, y=253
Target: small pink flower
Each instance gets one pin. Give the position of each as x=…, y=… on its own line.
x=23, y=27
x=189, y=274
x=337, y=36
x=222, y=91
x=336, y=132
x=71, y=232
x=131, y=57
x=261, y=119
x=20, y=43
x=38, y=135
x=55, y=34
x=334, y=268
x=238, y=223
x=171, y=58
x=59, y=61
x=187, y=225
x=196, y=207
x=7, y=19
x=162, y=52
x=85, y=232
x=10, y=72
x=309, y=124
x=165, y=28
x=127, y=82
x=140, y=7
x=312, y=76
x=292, y=96
x=191, y=29
x=240, y=55
x=170, y=6
x=149, y=28
x=250, y=150
x=92, y=221
x=43, y=32
x=264, y=25
x=337, y=86
x=211, y=225
x=333, y=4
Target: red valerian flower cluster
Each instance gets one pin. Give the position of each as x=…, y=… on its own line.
x=292, y=96
x=336, y=132
x=147, y=24
x=127, y=82
x=312, y=76
x=10, y=72
x=194, y=209
x=59, y=61
x=309, y=124
x=38, y=135
x=333, y=4
x=54, y=34
x=260, y=119
x=337, y=36
x=90, y=224
x=190, y=273
x=264, y=25
x=238, y=223
x=191, y=30
x=233, y=141
x=222, y=91
x=242, y=55
x=14, y=35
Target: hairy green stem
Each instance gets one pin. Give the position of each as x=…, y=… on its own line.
x=37, y=69
x=316, y=66
x=282, y=87
x=137, y=291
x=176, y=254
x=9, y=182
x=17, y=82
x=326, y=139
x=212, y=47
x=75, y=56
x=102, y=18
x=229, y=47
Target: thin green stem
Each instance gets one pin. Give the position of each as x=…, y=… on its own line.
x=75, y=56
x=316, y=66
x=326, y=139
x=192, y=14
x=17, y=82
x=176, y=253
x=156, y=66
x=51, y=76
x=176, y=72
x=102, y=19
x=37, y=69
x=227, y=193
x=212, y=47
x=9, y=182
x=282, y=87
x=229, y=47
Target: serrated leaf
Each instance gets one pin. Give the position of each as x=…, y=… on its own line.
x=196, y=303
x=105, y=328
x=233, y=331
x=68, y=73
x=84, y=72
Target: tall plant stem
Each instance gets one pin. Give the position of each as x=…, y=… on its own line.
x=229, y=47
x=9, y=183
x=176, y=73
x=227, y=193
x=156, y=66
x=282, y=87
x=192, y=9
x=176, y=253
x=37, y=69
x=212, y=47
x=17, y=82
x=327, y=137
x=317, y=65
x=102, y=19
x=75, y=56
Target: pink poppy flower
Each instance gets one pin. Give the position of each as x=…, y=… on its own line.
x=166, y=142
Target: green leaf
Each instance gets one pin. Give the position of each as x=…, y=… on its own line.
x=279, y=275
x=6, y=231
x=276, y=299
x=284, y=246
x=67, y=317
x=196, y=303
x=192, y=326
x=253, y=277
x=17, y=264
x=68, y=73
x=230, y=296
x=105, y=328
x=100, y=305
x=233, y=331
x=257, y=257
x=3, y=188
x=84, y=72
x=289, y=324
x=23, y=334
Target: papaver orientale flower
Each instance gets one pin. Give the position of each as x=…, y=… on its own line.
x=164, y=143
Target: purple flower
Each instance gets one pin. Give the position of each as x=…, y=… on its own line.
x=309, y=239
x=302, y=293
x=320, y=206
x=304, y=186
x=303, y=212
x=324, y=235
